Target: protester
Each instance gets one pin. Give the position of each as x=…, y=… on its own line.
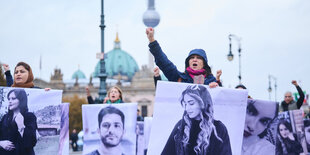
x=241, y=86
x=139, y=117
x=259, y=116
x=197, y=69
x=23, y=76
x=74, y=138
x=287, y=142
x=289, y=103
x=115, y=95
x=111, y=130
x=198, y=132
x=18, y=127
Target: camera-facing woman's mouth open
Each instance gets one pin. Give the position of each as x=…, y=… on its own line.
x=194, y=64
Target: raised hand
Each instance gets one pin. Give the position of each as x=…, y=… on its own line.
x=156, y=72
x=294, y=82
x=6, y=67
x=218, y=74
x=150, y=34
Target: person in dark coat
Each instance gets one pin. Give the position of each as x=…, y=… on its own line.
x=18, y=127
x=198, y=132
x=74, y=139
x=197, y=69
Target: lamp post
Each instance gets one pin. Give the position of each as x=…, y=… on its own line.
x=230, y=56
x=275, y=87
x=102, y=74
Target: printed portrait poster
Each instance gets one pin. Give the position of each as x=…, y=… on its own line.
x=214, y=117
x=140, y=138
x=290, y=135
x=147, y=132
x=307, y=132
x=109, y=128
x=259, y=131
x=30, y=120
x=64, y=130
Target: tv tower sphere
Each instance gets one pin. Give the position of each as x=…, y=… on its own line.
x=150, y=17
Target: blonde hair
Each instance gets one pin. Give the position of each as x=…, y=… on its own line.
x=118, y=89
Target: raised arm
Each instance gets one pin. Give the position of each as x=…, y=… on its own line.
x=161, y=60
x=301, y=94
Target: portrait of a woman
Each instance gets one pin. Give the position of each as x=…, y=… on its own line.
x=18, y=126
x=198, y=132
x=259, y=116
x=287, y=141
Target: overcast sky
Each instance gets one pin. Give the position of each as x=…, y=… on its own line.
x=275, y=36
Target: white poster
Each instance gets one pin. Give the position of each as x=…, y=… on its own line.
x=64, y=130
x=147, y=132
x=30, y=121
x=214, y=119
x=109, y=128
x=259, y=133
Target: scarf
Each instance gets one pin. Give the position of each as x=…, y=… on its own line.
x=28, y=83
x=117, y=101
x=24, y=85
x=197, y=75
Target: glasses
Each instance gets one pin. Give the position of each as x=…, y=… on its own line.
x=288, y=96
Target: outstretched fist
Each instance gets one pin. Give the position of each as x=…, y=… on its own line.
x=150, y=34
x=294, y=82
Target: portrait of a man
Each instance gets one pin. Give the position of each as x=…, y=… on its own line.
x=111, y=130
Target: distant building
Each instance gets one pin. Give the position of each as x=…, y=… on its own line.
x=122, y=70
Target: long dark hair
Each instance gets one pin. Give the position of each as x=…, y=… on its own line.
x=206, y=124
x=22, y=98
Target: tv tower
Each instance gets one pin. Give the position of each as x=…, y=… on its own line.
x=151, y=18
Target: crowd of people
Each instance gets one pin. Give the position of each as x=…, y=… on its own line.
x=196, y=133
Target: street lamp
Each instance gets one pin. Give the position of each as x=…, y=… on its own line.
x=230, y=56
x=102, y=74
x=275, y=87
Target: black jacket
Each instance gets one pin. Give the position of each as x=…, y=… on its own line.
x=216, y=147
x=9, y=131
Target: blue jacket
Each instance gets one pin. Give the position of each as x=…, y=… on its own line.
x=170, y=70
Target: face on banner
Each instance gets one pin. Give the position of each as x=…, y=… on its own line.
x=193, y=119
x=290, y=133
x=109, y=128
x=34, y=112
x=259, y=115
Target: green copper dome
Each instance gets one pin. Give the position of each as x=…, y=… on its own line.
x=118, y=62
x=78, y=74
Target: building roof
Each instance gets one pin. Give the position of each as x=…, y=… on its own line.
x=78, y=74
x=118, y=62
